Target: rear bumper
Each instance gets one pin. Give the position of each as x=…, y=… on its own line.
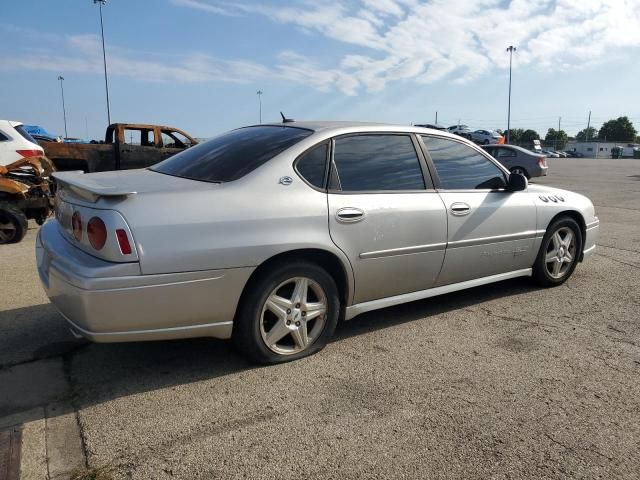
x=590, y=239
x=108, y=302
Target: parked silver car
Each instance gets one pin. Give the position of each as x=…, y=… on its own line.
x=269, y=234
x=519, y=160
x=486, y=137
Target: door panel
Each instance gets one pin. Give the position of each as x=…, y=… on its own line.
x=496, y=234
x=395, y=241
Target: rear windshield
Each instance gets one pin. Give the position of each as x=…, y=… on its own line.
x=233, y=154
x=20, y=129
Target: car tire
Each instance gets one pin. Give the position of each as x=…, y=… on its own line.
x=552, y=266
x=293, y=333
x=521, y=171
x=486, y=142
x=13, y=224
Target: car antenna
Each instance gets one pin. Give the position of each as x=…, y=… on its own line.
x=285, y=119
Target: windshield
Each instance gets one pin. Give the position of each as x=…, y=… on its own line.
x=233, y=154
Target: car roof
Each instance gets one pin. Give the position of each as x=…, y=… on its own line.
x=337, y=127
x=515, y=147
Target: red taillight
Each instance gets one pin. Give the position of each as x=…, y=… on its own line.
x=542, y=161
x=123, y=241
x=29, y=153
x=97, y=233
x=76, y=225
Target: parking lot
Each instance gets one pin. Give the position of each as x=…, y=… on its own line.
x=502, y=381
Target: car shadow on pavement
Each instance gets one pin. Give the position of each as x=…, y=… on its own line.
x=66, y=374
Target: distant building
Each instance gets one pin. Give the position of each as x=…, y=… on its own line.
x=600, y=149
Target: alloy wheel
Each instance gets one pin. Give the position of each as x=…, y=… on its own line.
x=293, y=316
x=561, y=252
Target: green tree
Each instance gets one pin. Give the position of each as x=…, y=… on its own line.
x=556, y=138
x=528, y=136
x=515, y=136
x=582, y=134
x=618, y=130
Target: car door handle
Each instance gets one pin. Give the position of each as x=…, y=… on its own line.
x=459, y=209
x=349, y=215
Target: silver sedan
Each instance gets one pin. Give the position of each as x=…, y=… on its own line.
x=270, y=234
x=519, y=160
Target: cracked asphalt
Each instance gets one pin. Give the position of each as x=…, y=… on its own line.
x=502, y=381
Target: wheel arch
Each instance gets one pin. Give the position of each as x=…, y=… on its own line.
x=575, y=215
x=326, y=259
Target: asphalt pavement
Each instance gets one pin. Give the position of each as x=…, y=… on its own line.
x=501, y=381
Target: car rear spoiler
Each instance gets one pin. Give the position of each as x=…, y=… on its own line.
x=87, y=187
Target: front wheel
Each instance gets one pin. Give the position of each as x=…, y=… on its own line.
x=521, y=171
x=287, y=313
x=559, y=253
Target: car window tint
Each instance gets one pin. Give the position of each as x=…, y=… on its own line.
x=460, y=167
x=377, y=162
x=505, y=152
x=312, y=165
x=233, y=154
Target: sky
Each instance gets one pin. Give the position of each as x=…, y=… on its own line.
x=198, y=64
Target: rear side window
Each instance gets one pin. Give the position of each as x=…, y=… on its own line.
x=3, y=137
x=504, y=153
x=20, y=129
x=233, y=154
x=312, y=165
x=460, y=167
x=377, y=162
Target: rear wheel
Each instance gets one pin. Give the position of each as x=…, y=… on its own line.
x=287, y=313
x=521, y=171
x=559, y=253
x=13, y=224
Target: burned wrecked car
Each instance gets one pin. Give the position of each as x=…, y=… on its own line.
x=26, y=192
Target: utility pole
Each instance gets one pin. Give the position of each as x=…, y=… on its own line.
x=104, y=58
x=259, y=93
x=555, y=145
x=436, y=118
x=510, y=49
x=64, y=110
x=588, y=125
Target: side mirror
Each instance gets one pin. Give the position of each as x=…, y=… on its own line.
x=517, y=182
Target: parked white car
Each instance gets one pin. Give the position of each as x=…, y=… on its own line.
x=486, y=137
x=16, y=143
x=551, y=154
x=462, y=130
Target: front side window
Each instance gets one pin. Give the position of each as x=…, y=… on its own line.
x=232, y=155
x=173, y=139
x=377, y=162
x=3, y=137
x=312, y=165
x=460, y=167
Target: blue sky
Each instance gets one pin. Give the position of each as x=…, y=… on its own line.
x=197, y=64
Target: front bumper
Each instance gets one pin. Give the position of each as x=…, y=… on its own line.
x=109, y=302
x=590, y=239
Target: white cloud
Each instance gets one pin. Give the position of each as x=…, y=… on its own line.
x=430, y=40
x=383, y=41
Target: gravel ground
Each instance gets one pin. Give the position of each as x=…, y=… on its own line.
x=502, y=381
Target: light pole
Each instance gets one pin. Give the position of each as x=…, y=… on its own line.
x=259, y=93
x=64, y=110
x=510, y=49
x=104, y=58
